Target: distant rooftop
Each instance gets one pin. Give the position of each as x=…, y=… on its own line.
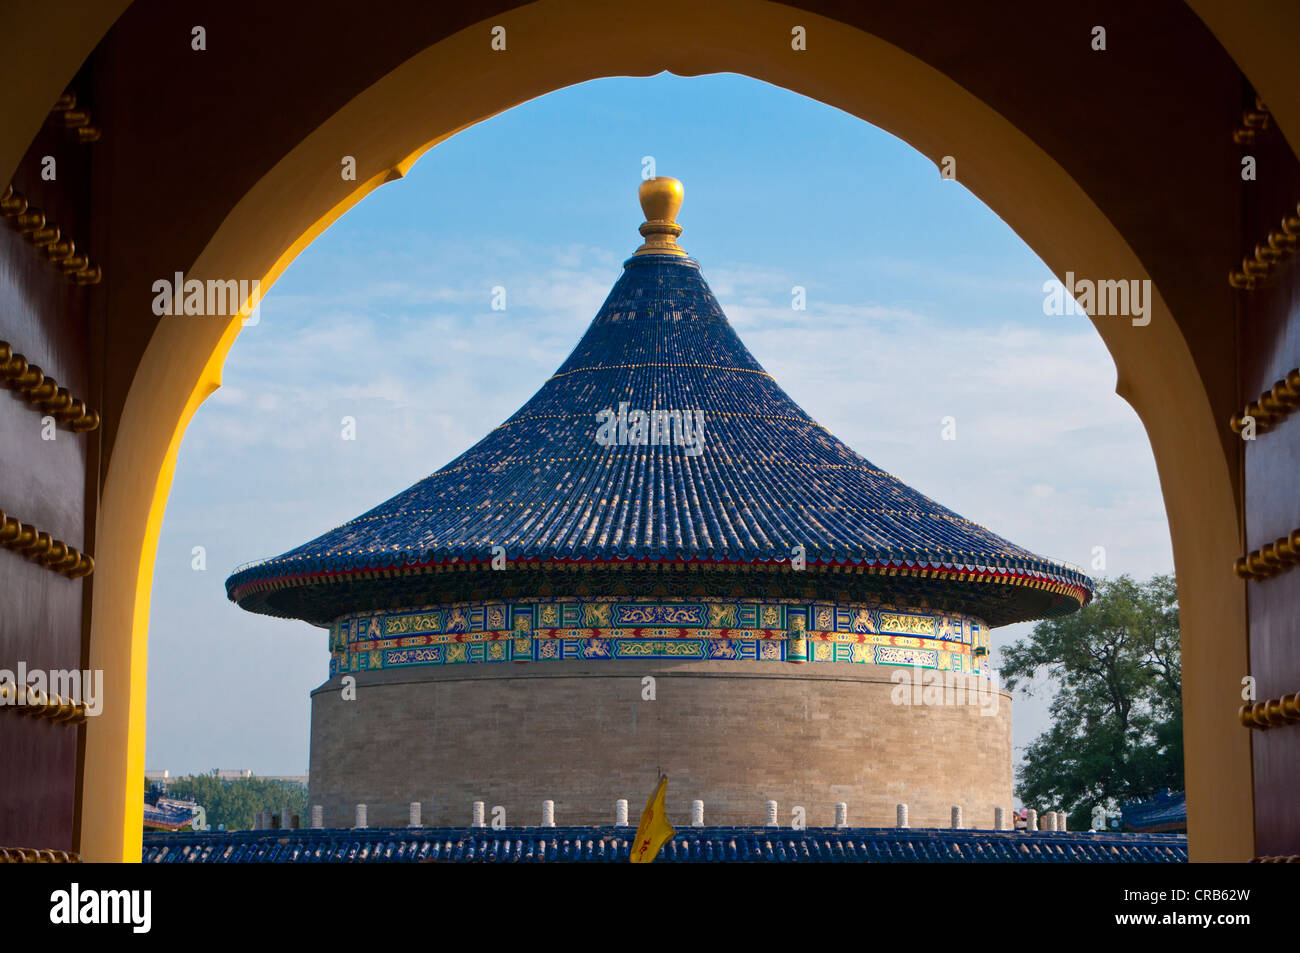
x=1166, y=811
x=224, y=774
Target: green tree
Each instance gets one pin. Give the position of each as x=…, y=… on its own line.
x=1117, y=715
x=235, y=802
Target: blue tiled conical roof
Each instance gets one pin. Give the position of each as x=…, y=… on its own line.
x=765, y=478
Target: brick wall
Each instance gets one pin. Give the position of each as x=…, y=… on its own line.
x=734, y=734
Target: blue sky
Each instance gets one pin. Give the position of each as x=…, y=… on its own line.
x=921, y=304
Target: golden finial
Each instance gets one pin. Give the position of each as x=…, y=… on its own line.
x=661, y=199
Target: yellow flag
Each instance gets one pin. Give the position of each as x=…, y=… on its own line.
x=655, y=831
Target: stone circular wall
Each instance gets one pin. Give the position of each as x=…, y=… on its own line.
x=733, y=734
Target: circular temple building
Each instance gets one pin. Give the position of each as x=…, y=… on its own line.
x=660, y=563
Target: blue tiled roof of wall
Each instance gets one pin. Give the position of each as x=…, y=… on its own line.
x=707, y=845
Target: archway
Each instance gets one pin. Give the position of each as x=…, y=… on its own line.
x=556, y=43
